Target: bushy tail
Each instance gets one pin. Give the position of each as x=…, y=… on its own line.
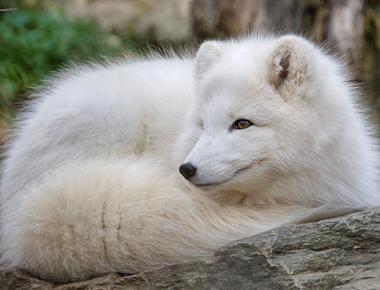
x=123, y=216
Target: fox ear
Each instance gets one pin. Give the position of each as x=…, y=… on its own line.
x=207, y=55
x=288, y=65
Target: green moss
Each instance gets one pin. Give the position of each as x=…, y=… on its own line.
x=33, y=43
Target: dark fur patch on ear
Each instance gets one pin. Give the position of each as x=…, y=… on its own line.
x=284, y=63
x=287, y=67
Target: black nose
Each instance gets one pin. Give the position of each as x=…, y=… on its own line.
x=187, y=170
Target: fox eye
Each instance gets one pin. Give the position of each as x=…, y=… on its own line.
x=241, y=124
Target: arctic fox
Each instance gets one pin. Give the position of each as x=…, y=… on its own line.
x=264, y=130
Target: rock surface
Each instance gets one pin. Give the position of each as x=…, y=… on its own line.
x=341, y=253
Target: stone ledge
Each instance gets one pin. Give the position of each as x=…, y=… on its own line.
x=340, y=253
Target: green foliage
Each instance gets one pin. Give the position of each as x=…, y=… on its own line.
x=36, y=42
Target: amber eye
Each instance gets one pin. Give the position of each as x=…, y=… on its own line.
x=241, y=124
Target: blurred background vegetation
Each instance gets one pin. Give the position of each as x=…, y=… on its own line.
x=39, y=37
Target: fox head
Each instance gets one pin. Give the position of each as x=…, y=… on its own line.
x=266, y=108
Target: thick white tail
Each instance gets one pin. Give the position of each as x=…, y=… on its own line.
x=122, y=216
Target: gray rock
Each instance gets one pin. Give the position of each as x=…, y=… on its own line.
x=340, y=253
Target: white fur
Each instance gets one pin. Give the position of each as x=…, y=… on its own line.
x=91, y=183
